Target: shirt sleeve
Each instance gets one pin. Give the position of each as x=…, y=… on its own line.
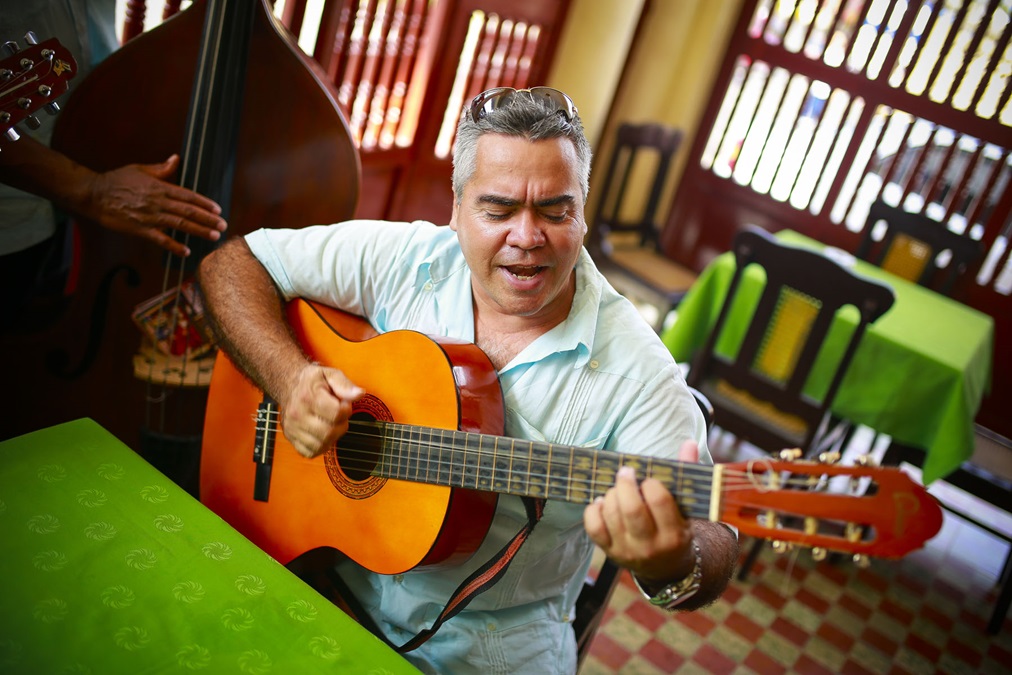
x=345, y=265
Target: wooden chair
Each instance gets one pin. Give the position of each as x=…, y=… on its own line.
x=910, y=245
x=627, y=247
x=597, y=592
x=758, y=394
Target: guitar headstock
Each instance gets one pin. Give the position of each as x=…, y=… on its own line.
x=880, y=512
x=30, y=79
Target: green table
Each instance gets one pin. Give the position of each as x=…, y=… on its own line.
x=108, y=567
x=919, y=373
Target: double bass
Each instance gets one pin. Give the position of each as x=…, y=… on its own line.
x=258, y=130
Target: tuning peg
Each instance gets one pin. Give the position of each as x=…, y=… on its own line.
x=52, y=108
x=829, y=457
x=11, y=47
x=33, y=122
x=791, y=454
x=862, y=561
x=12, y=134
x=866, y=459
x=30, y=38
x=45, y=90
x=819, y=554
x=780, y=547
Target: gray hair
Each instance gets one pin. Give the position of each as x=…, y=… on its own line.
x=530, y=117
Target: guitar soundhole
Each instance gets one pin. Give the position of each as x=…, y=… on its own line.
x=351, y=463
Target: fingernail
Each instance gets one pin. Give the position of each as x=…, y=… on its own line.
x=627, y=472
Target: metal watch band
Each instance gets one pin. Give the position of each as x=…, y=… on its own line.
x=677, y=592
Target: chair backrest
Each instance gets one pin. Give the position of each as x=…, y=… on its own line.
x=637, y=147
x=911, y=245
x=759, y=394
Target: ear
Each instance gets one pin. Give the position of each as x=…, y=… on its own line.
x=453, y=214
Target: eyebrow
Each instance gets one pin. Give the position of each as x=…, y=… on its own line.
x=499, y=200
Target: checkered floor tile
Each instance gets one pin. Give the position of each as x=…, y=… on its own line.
x=924, y=614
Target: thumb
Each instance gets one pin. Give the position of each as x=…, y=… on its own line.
x=163, y=170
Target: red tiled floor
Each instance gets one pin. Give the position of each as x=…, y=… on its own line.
x=788, y=630
x=750, y=620
x=744, y=626
x=711, y=659
x=661, y=656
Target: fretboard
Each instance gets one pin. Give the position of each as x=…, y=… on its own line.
x=505, y=465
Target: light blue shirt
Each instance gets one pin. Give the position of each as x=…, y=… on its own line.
x=600, y=379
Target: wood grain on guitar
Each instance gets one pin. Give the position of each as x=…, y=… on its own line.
x=414, y=481
x=30, y=79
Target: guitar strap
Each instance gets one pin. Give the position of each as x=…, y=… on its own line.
x=478, y=582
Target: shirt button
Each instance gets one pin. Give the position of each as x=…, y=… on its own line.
x=427, y=286
x=594, y=364
x=398, y=578
x=491, y=627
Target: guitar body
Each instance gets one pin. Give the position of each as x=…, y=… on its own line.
x=386, y=525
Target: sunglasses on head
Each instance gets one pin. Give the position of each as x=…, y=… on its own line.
x=489, y=101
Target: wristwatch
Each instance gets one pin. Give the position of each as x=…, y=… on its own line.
x=674, y=594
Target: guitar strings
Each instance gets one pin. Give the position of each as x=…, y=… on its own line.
x=353, y=458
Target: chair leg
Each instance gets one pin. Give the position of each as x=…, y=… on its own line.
x=1004, y=597
x=753, y=555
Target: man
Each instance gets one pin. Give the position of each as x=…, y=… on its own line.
x=576, y=364
x=37, y=182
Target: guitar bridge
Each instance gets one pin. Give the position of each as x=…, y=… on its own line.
x=263, y=452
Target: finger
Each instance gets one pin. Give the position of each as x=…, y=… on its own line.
x=635, y=517
x=664, y=511
x=593, y=522
x=165, y=241
x=342, y=387
x=200, y=219
x=689, y=452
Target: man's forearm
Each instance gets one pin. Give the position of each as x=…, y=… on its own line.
x=247, y=316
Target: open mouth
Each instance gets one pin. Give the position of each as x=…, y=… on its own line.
x=524, y=273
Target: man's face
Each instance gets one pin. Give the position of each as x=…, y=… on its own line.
x=521, y=226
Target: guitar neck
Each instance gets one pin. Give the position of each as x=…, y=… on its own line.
x=490, y=463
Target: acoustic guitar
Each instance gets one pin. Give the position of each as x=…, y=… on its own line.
x=415, y=480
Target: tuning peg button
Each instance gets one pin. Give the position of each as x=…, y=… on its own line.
x=862, y=561
x=52, y=108
x=12, y=134
x=11, y=47
x=31, y=38
x=819, y=554
x=33, y=122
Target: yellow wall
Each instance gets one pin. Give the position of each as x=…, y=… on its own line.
x=671, y=67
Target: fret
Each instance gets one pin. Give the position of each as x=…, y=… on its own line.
x=559, y=478
x=455, y=468
x=582, y=465
x=604, y=473
x=517, y=481
x=537, y=472
x=470, y=457
x=485, y=462
x=501, y=472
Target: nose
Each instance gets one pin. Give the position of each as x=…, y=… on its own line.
x=526, y=231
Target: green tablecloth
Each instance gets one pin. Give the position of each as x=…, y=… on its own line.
x=919, y=374
x=108, y=567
